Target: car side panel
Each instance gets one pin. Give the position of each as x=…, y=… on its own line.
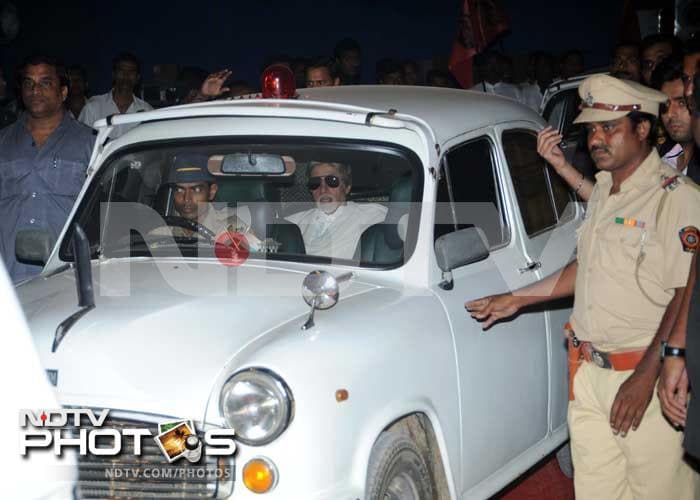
x=391, y=350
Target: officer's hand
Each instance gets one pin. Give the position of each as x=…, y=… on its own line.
x=548, y=148
x=673, y=390
x=491, y=309
x=631, y=402
x=213, y=86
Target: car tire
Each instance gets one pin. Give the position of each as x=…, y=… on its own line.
x=397, y=470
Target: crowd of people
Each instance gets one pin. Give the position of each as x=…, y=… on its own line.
x=495, y=73
x=634, y=274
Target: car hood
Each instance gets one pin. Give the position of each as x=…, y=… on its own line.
x=158, y=349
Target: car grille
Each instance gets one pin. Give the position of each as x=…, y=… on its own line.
x=149, y=475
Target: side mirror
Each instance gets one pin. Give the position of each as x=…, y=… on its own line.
x=33, y=246
x=321, y=290
x=458, y=249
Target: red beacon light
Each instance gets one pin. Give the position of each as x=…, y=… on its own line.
x=278, y=82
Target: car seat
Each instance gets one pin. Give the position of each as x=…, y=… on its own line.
x=383, y=243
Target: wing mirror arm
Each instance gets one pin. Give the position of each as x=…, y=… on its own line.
x=448, y=282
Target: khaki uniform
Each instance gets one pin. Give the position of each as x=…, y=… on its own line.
x=633, y=251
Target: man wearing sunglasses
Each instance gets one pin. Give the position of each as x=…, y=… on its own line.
x=334, y=226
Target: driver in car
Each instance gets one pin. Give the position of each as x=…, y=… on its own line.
x=194, y=189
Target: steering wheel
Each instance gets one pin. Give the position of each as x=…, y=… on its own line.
x=200, y=229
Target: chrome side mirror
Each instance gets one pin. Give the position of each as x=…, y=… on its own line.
x=321, y=290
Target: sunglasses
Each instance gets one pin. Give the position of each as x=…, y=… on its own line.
x=332, y=181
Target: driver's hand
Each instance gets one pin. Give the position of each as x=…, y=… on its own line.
x=238, y=226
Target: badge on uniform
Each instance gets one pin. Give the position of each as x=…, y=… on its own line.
x=671, y=183
x=628, y=221
x=690, y=237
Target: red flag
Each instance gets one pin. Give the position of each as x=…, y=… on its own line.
x=480, y=23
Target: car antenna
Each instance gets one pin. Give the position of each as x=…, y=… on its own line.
x=83, y=281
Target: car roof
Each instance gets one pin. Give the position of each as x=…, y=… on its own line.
x=449, y=112
x=442, y=113
x=574, y=81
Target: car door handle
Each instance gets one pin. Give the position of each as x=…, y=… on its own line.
x=531, y=266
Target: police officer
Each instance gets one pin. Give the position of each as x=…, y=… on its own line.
x=634, y=253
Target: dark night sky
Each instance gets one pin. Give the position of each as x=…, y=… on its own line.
x=239, y=35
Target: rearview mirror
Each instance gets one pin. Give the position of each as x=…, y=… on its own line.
x=33, y=246
x=251, y=164
x=457, y=249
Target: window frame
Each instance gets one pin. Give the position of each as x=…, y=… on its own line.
x=502, y=206
x=338, y=143
x=548, y=169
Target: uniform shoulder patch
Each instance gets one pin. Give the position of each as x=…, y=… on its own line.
x=690, y=237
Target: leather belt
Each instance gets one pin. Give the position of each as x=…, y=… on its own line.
x=618, y=361
x=584, y=351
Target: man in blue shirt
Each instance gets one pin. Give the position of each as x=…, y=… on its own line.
x=44, y=157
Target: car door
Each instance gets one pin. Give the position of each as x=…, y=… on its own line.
x=560, y=109
x=502, y=372
x=549, y=218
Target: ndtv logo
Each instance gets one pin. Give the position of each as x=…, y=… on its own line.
x=47, y=429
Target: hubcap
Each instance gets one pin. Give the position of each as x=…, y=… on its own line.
x=402, y=487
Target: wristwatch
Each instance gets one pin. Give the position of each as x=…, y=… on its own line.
x=670, y=351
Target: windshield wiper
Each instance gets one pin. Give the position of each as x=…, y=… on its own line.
x=144, y=248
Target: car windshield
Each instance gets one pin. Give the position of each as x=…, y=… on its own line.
x=318, y=201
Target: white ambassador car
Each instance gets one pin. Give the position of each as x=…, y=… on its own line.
x=387, y=388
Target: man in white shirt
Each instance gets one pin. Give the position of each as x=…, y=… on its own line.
x=541, y=68
x=119, y=100
x=333, y=228
x=675, y=116
x=498, y=74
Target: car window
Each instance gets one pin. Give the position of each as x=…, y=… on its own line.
x=468, y=193
x=531, y=182
x=563, y=196
x=554, y=110
x=561, y=110
x=132, y=206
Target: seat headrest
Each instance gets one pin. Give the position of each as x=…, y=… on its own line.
x=244, y=191
x=401, y=190
x=399, y=206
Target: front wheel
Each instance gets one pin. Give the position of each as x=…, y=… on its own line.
x=397, y=470
x=564, y=459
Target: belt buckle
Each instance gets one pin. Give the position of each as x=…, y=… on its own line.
x=600, y=359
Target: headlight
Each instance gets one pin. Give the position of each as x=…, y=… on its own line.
x=257, y=404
